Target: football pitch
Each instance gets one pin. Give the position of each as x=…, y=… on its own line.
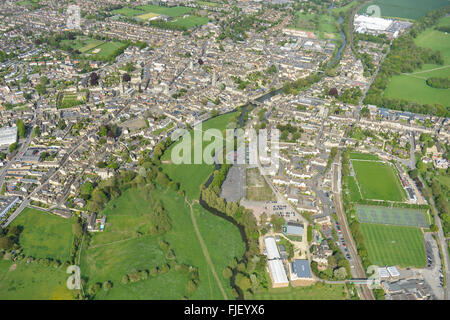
x=394, y=245
x=392, y=216
x=378, y=181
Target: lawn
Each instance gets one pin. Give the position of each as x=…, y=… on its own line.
x=363, y=156
x=394, y=245
x=190, y=21
x=24, y=281
x=208, y=3
x=314, y=292
x=192, y=176
x=409, y=9
x=322, y=24
x=168, y=11
x=413, y=86
x=108, y=50
x=119, y=249
x=355, y=196
x=147, y=16
x=378, y=181
x=45, y=235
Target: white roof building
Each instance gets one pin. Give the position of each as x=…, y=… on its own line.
x=8, y=135
x=271, y=247
x=278, y=273
x=393, y=272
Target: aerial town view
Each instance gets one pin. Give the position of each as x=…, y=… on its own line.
x=245, y=150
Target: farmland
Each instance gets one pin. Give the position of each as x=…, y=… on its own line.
x=378, y=181
x=394, y=245
x=45, y=235
x=125, y=246
x=408, y=9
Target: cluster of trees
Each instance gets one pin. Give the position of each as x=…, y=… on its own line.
x=439, y=83
x=350, y=95
x=110, y=131
x=289, y=133
x=9, y=238
x=300, y=84
x=21, y=130
x=236, y=27
x=405, y=57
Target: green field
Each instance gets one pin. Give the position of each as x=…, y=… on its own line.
x=363, y=156
x=413, y=86
x=147, y=16
x=22, y=281
x=355, y=196
x=86, y=46
x=392, y=216
x=120, y=248
x=192, y=176
x=409, y=9
x=208, y=3
x=324, y=25
x=314, y=292
x=378, y=181
x=140, y=10
x=45, y=235
x=190, y=22
x=394, y=245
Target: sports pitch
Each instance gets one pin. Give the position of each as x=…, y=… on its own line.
x=378, y=181
x=392, y=216
x=394, y=245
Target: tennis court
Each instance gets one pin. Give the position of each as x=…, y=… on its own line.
x=392, y=216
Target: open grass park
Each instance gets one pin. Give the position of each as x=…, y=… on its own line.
x=125, y=246
x=394, y=245
x=378, y=181
x=413, y=86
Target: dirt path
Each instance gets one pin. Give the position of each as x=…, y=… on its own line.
x=205, y=251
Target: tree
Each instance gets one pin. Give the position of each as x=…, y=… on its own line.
x=107, y=285
x=126, y=77
x=277, y=222
x=227, y=273
x=333, y=92
x=13, y=147
x=93, y=79
x=20, y=128
x=243, y=282
x=340, y=273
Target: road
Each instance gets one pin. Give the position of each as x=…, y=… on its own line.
x=366, y=293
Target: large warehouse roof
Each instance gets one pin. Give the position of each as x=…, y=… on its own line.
x=277, y=271
x=8, y=135
x=272, y=250
x=372, y=23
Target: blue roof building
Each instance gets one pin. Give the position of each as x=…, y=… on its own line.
x=300, y=268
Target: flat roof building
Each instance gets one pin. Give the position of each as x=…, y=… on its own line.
x=8, y=135
x=279, y=277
